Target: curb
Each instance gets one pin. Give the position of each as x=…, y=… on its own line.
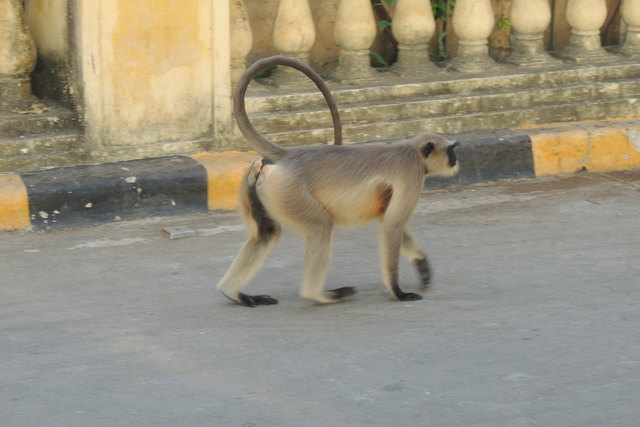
x=89, y=195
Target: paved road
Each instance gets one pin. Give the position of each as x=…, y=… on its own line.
x=533, y=320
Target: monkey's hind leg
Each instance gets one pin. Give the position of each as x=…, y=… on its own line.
x=391, y=241
x=263, y=235
x=252, y=255
x=413, y=252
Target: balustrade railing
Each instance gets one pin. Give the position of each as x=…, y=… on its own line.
x=585, y=18
x=241, y=37
x=354, y=31
x=17, y=56
x=293, y=35
x=473, y=21
x=413, y=27
x=631, y=17
x=530, y=19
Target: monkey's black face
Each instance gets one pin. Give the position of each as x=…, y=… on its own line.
x=439, y=155
x=452, y=154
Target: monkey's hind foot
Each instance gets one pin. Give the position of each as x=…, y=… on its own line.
x=255, y=300
x=422, y=265
x=343, y=292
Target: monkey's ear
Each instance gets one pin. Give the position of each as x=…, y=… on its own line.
x=428, y=149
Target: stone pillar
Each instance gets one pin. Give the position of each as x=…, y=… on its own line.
x=241, y=38
x=631, y=17
x=473, y=22
x=354, y=31
x=221, y=72
x=17, y=56
x=413, y=27
x=293, y=35
x=586, y=17
x=530, y=18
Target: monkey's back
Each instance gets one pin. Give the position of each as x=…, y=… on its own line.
x=353, y=184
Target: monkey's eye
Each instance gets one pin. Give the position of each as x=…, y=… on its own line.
x=428, y=149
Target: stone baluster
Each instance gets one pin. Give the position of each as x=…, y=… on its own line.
x=293, y=35
x=17, y=56
x=530, y=18
x=586, y=17
x=241, y=38
x=354, y=31
x=631, y=17
x=473, y=22
x=413, y=26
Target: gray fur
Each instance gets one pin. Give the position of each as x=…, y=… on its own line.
x=311, y=189
x=266, y=148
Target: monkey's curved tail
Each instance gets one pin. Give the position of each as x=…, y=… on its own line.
x=266, y=148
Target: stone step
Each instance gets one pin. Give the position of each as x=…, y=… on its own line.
x=38, y=161
x=452, y=123
x=40, y=151
x=39, y=120
x=264, y=98
x=40, y=144
x=444, y=105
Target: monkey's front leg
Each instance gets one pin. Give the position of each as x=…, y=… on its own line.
x=414, y=253
x=391, y=240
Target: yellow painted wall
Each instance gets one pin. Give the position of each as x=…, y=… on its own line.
x=146, y=69
x=156, y=67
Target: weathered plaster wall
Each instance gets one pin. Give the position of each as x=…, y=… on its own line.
x=138, y=71
x=147, y=70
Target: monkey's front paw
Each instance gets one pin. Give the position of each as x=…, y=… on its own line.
x=408, y=296
x=422, y=265
x=254, y=300
x=343, y=292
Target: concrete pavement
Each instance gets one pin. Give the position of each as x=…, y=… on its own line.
x=533, y=320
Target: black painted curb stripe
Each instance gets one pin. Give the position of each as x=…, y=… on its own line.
x=88, y=195
x=489, y=159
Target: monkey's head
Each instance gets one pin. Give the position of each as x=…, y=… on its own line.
x=438, y=155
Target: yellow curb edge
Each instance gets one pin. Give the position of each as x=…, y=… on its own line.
x=225, y=172
x=14, y=203
x=595, y=147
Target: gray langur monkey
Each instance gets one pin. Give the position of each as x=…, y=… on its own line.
x=312, y=188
